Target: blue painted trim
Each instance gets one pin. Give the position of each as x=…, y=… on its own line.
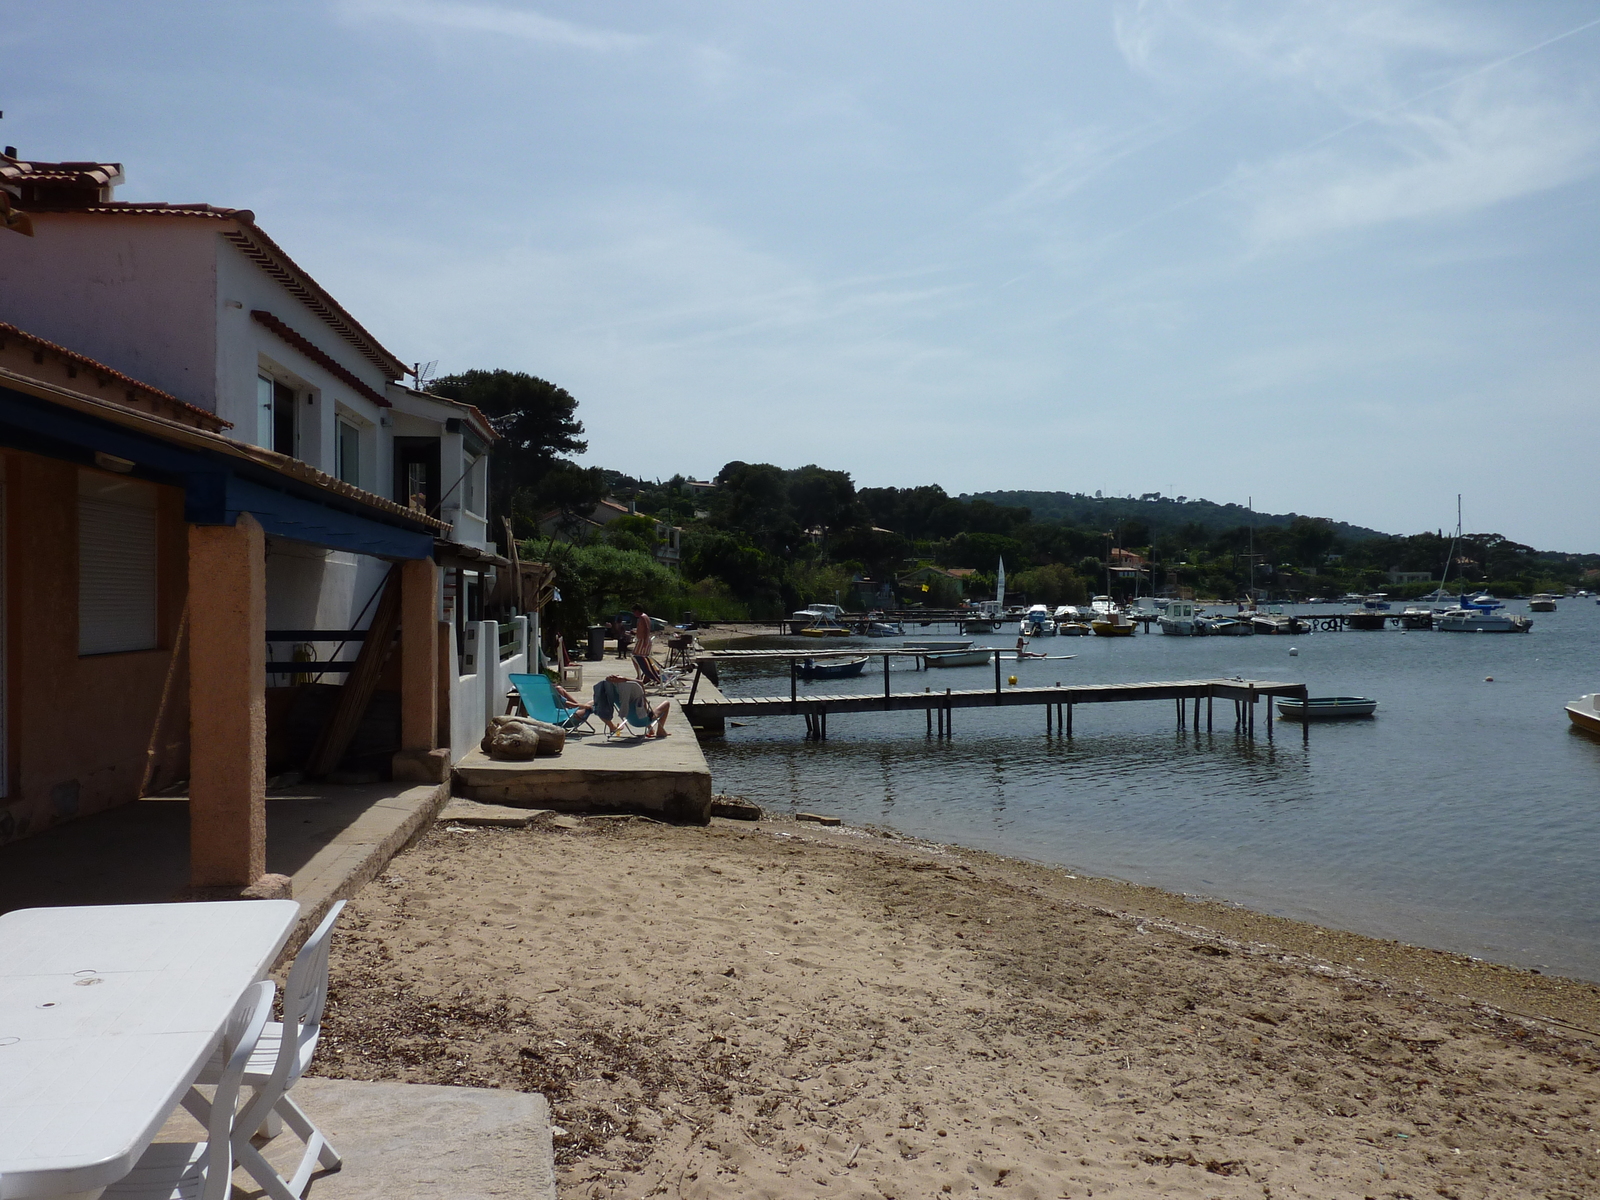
x=286, y=516
x=214, y=491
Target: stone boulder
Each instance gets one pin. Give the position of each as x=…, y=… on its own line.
x=515, y=739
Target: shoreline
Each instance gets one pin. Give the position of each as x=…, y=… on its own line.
x=779, y=1009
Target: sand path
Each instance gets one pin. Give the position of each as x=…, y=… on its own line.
x=755, y=1011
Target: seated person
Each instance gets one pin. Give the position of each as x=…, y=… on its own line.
x=582, y=709
x=625, y=697
x=1023, y=651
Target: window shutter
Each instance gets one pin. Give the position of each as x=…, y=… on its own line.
x=116, y=567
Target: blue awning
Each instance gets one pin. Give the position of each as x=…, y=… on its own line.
x=217, y=487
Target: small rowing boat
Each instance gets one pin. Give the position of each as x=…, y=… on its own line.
x=1322, y=708
x=959, y=658
x=838, y=668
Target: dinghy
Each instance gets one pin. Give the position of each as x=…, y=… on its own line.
x=1322, y=708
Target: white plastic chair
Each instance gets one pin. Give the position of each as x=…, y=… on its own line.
x=281, y=1057
x=204, y=1170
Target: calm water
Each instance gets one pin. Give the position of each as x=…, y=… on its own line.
x=1465, y=815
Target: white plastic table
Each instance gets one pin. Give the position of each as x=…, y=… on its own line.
x=107, y=1013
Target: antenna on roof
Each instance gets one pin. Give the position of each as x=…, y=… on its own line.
x=422, y=373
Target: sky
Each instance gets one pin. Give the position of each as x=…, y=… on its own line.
x=1336, y=258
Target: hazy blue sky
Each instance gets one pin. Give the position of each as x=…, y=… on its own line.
x=1338, y=256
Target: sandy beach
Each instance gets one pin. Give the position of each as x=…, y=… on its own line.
x=773, y=1009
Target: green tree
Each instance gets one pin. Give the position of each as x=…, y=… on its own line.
x=536, y=421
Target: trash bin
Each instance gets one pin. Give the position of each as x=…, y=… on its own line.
x=597, y=643
x=688, y=620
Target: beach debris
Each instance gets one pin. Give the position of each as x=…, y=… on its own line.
x=516, y=739
x=819, y=819
x=735, y=808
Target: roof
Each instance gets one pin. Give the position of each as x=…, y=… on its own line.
x=34, y=182
x=73, y=187
x=139, y=395
x=170, y=430
x=483, y=424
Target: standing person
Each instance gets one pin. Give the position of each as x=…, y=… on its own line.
x=642, y=631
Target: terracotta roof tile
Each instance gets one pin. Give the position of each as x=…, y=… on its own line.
x=163, y=403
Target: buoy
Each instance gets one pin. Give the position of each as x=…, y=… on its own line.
x=1294, y=651
x=1013, y=679
x=1488, y=678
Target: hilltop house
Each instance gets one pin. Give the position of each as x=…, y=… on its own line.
x=668, y=548
x=200, y=447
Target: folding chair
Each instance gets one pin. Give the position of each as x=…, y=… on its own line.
x=653, y=675
x=634, y=709
x=281, y=1057
x=539, y=701
x=204, y=1170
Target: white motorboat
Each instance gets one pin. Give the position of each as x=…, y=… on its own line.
x=1180, y=619
x=1481, y=614
x=1037, y=622
x=1542, y=602
x=939, y=646
x=1584, y=713
x=1324, y=708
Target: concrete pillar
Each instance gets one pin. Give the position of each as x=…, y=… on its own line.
x=227, y=704
x=418, y=761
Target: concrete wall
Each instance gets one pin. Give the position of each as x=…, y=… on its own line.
x=312, y=588
x=79, y=728
x=479, y=695
x=136, y=293
x=245, y=346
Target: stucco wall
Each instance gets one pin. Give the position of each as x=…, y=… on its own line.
x=242, y=342
x=136, y=293
x=79, y=728
x=311, y=588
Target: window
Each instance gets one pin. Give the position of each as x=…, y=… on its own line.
x=283, y=399
x=116, y=565
x=276, y=402
x=349, y=452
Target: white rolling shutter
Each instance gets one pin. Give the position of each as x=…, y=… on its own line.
x=116, y=565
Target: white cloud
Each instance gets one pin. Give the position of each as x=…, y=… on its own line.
x=500, y=21
x=1429, y=114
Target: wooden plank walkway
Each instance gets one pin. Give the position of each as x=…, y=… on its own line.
x=1058, y=702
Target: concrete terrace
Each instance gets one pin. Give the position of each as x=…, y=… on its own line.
x=667, y=778
x=328, y=839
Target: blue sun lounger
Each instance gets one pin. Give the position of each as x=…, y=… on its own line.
x=539, y=701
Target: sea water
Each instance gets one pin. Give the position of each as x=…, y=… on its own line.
x=1464, y=816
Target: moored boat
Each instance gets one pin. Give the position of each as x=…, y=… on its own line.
x=1073, y=629
x=818, y=631
x=1366, y=618
x=1584, y=713
x=838, y=668
x=1481, y=614
x=1226, y=627
x=1037, y=622
x=1179, y=620
x=938, y=646
x=1416, y=618
x=1113, y=624
x=958, y=658
x=1542, y=602
x=1323, y=708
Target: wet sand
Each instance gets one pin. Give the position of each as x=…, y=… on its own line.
x=778, y=1010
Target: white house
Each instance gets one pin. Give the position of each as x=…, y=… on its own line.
x=199, y=302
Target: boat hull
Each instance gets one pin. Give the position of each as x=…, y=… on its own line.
x=959, y=658
x=1327, y=708
x=845, y=669
x=1583, y=714
x=1112, y=629
x=1367, y=620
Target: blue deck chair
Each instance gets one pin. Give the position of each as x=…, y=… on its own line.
x=539, y=701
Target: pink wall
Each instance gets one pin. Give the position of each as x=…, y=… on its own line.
x=137, y=293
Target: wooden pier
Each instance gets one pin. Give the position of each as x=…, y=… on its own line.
x=939, y=707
